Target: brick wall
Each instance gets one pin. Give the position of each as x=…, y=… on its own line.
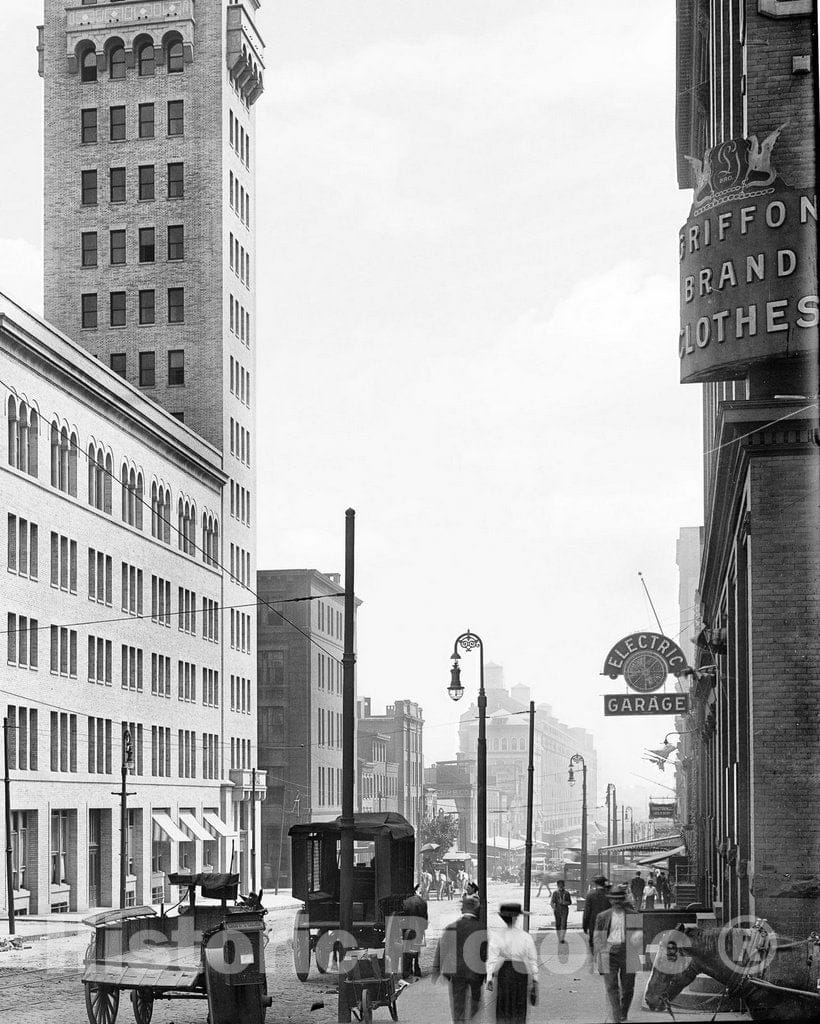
x=785, y=628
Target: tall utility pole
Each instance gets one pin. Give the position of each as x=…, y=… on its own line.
x=7, y=790
x=347, y=823
x=127, y=762
x=615, y=821
x=528, y=845
x=253, y=830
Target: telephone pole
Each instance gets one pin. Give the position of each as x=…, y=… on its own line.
x=7, y=789
x=347, y=823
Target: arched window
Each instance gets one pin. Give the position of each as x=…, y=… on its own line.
x=192, y=530
x=138, y=502
x=124, y=483
x=107, y=476
x=12, y=430
x=73, y=448
x=22, y=437
x=166, y=517
x=504, y=743
x=176, y=61
x=116, y=62
x=155, y=513
x=180, y=524
x=63, y=460
x=92, y=467
x=33, y=443
x=88, y=69
x=147, y=64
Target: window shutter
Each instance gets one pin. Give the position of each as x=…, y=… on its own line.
x=108, y=580
x=92, y=651
x=55, y=560
x=55, y=654
x=33, y=642
x=92, y=574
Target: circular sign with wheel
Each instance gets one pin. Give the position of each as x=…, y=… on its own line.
x=645, y=671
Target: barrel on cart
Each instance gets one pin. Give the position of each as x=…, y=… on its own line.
x=382, y=880
x=209, y=951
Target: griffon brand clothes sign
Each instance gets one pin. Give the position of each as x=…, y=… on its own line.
x=748, y=264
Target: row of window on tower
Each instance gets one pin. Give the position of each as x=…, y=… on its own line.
x=146, y=246
x=117, y=122
x=240, y=321
x=241, y=503
x=240, y=442
x=239, y=198
x=240, y=381
x=146, y=311
x=113, y=58
x=146, y=184
x=240, y=260
x=240, y=139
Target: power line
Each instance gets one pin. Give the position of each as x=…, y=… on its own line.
x=210, y=561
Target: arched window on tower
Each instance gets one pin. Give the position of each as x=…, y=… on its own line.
x=116, y=62
x=176, y=57
x=146, y=61
x=12, y=429
x=88, y=66
x=33, y=442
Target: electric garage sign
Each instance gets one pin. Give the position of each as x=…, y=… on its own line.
x=645, y=660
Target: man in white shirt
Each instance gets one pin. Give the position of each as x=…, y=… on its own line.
x=612, y=952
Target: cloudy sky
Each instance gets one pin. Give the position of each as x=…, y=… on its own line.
x=467, y=214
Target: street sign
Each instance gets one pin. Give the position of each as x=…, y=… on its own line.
x=644, y=704
x=662, y=809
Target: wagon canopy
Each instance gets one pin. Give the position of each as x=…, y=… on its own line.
x=214, y=885
x=368, y=826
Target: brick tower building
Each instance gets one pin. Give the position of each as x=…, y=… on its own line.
x=747, y=79
x=150, y=256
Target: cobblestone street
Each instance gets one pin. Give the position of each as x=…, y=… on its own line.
x=42, y=983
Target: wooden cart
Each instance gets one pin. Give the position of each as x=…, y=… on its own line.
x=382, y=880
x=213, y=952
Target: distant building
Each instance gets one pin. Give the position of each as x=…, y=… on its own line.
x=556, y=805
x=378, y=778
x=403, y=723
x=300, y=646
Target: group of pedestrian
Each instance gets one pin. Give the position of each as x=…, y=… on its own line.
x=655, y=887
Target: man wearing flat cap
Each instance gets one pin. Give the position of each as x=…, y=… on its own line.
x=461, y=956
x=612, y=952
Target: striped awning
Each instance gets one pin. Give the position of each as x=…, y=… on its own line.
x=654, y=845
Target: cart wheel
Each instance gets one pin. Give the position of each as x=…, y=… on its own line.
x=323, y=956
x=367, y=1007
x=101, y=1002
x=142, y=1000
x=301, y=946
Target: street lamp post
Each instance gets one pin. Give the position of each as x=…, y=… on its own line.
x=626, y=815
x=468, y=642
x=610, y=799
x=574, y=760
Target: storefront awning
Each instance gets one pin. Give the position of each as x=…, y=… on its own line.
x=660, y=858
x=214, y=822
x=503, y=843
x=655, y=845
x=169, y=827
x=187, y=819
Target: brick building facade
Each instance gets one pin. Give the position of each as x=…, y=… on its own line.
x=403, y=724
x=300, y=647
x=746, y=69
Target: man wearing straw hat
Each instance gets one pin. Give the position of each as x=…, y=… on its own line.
x=612, y=952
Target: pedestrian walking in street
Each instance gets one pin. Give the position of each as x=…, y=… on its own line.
x=561, y=901
x=637, y=886
x=414, y=927
x=612, y=954
x=461, y=957
x=650, y=894
x=542, y=881
x=596, y=903
x=512, y=968
x=664, y=890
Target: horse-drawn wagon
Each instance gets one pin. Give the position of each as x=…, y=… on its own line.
x=209, y=951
